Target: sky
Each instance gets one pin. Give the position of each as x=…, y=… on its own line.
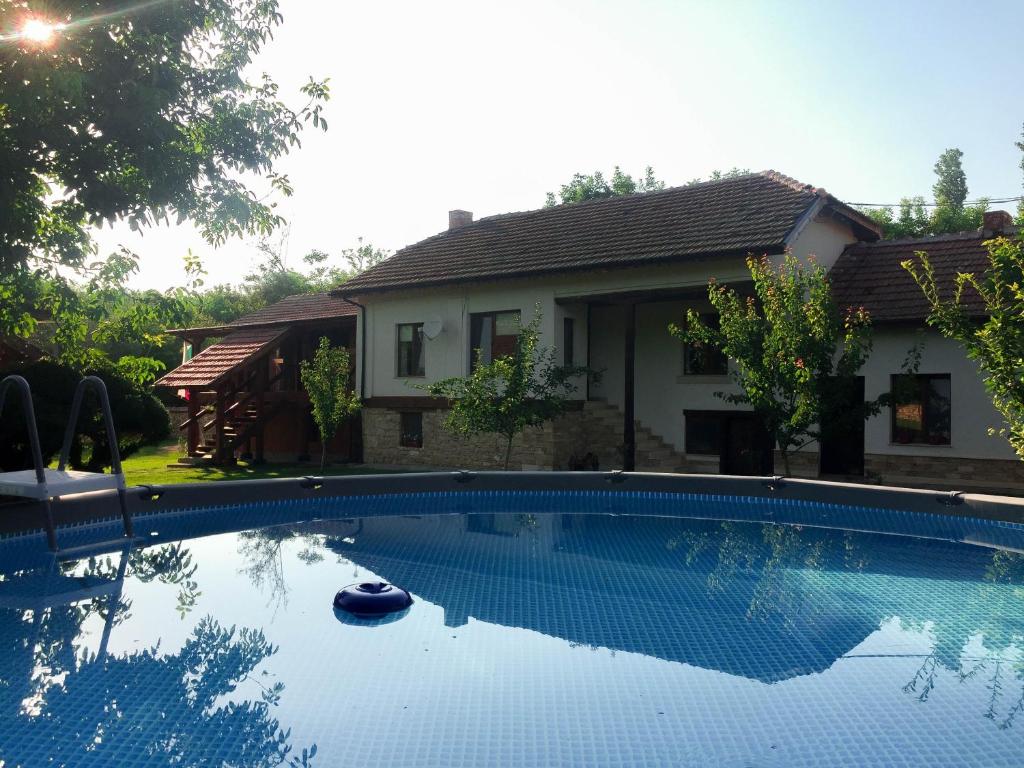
x=486, y=106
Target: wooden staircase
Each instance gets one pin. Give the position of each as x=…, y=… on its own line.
x=602, y=425
x=243, y=419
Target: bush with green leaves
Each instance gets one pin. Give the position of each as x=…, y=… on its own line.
x=139, y=418
x=789, y=344
x=510, y=393
x=327, y=381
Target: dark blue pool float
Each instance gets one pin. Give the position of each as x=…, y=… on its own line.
x=372, y=598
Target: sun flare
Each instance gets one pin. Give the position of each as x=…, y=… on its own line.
x=39, y=31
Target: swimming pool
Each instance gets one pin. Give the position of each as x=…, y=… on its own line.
x=549, y=628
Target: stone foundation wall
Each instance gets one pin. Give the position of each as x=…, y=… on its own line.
x=552, y=445
x=546, y=447
x=945, y=471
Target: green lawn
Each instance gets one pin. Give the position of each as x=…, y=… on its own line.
x=149, y=467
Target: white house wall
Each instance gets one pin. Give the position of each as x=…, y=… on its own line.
x=972, y=412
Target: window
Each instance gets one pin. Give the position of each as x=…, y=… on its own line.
x=921, y=408
x=492, y=335
x=410, y=350
x=703, y=433
x=568, y=341
x=701, y=360
x=411, y=435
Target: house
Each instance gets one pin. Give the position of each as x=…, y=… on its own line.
x=608, y=276
x=244, y=393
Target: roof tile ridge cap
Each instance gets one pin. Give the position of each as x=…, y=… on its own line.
x=789, y=181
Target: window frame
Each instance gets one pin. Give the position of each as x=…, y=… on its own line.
x=709, y=354
x=927, y=414
x=417, y=336
x=404, y=433
x=568, y=341
x=474, y=317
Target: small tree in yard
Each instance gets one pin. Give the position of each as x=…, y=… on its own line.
x=511, y=393
x=790, y=344
x=995, y=341
x=325, y=378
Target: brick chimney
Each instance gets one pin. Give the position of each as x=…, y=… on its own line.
x=997, y=222
x=459, y=218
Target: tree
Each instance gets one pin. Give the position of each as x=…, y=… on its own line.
x=141, y=114
x=996, y=339
x=950, y=213
x=950, y=188
x=326, y=379
x=510, y=393
x=790, y=344
x=594, y=187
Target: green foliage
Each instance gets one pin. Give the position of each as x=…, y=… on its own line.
x=949, y=214
x=326, y=379
x=718, y=175
x=995, y=341
x=139, y=418
x=511, y=393
x=143, y=115
x=789, y=343
x=594, y=186
x=950, y=189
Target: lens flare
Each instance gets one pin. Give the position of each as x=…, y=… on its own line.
x=39, y=31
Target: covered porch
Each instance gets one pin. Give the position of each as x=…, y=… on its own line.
x=660, y=394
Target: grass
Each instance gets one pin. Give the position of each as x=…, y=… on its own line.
x=149, y=467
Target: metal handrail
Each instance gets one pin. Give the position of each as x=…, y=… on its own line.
x=30, y=419
x=33, y=438
x=108, y=422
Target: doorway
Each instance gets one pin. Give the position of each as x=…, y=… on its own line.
x=842, y=428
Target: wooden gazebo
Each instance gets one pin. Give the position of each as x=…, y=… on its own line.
x=244, y=393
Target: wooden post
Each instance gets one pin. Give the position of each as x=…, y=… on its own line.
x=219, y=443
x=260, y=425
x=194, y=432
x=629, y=393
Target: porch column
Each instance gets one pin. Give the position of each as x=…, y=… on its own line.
x=629, y=417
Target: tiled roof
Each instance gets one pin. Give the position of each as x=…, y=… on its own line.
x=751, y=213
x=292, y=309
x=870, y=275
x=219, y=359
x=301, y=308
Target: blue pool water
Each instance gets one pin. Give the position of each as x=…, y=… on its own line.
x=547, y=630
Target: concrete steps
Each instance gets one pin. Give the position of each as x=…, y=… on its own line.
x=603, y=427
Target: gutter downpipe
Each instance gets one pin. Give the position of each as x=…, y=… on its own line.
x=361, y=351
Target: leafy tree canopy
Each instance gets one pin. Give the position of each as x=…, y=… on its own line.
x=950, y=212
x=141, y=113
x=789, y=342
x=595, y=187
x=718, y=175
x=510, y=393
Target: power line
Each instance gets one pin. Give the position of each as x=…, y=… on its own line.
x=989, y=200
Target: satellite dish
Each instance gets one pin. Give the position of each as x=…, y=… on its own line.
x=432, y=328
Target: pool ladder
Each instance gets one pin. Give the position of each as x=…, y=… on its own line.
x=45, y=484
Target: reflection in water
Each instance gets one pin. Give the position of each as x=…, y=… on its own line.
x=63, y=704
x=535, y=638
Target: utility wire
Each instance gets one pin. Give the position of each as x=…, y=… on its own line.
x=989, y=200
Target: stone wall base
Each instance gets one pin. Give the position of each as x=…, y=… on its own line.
x=552, y=445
